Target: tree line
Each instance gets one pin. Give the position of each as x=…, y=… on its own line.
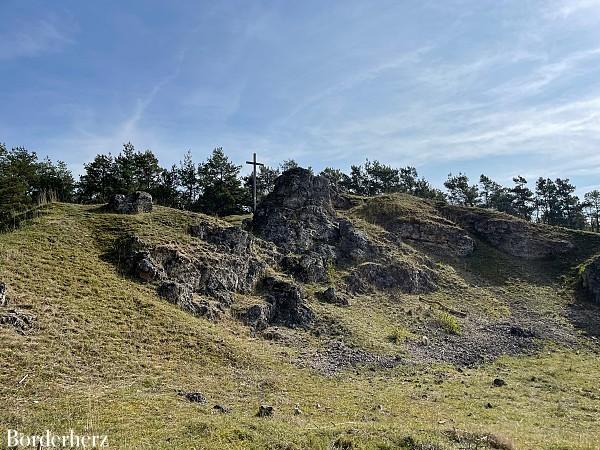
x=215, y=186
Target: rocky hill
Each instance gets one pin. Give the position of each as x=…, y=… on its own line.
x=386, y=322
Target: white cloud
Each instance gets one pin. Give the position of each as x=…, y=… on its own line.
x=32, y=39
x=566, y=8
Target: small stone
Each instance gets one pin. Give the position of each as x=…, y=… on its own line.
x=328, y=295
x=265, y=411
x=195, y=397
x=499, y=382
x=425, y=341
x=221, y=409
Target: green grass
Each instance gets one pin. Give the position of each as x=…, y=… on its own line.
x=107, y=356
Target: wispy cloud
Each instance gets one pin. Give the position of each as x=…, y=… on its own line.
x=542, y=76
x=30, y=39
x=563, y=9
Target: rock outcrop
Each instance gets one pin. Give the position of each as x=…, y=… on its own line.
x=407, y=277
x=137, y=202
x=201, y=282
x=513, y=236
x=286, y=305
x=299, y=218
x=445, y=236
x=590, y=278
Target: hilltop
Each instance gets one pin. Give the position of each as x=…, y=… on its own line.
x=390, y=321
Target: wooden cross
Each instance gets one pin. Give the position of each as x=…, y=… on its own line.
x=254, y=164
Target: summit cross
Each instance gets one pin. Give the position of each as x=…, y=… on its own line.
x=254, y=164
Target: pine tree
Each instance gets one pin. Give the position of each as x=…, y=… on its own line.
x=222, y=192
x=460, y=192
x=188, y=179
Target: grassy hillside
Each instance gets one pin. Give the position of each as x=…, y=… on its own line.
x=107, y=355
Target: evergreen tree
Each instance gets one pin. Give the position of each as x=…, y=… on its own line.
x=460, y=192
x=166, y=191
x=99, y=181
x=188, y=179
x=358, y=182
x=381, y=178
x=592, y=206
x=125, y=169
x=523, y=203
x=222, y=192
x=147, y=171
x=287, y=165
x=571, y=210
x=337, y=179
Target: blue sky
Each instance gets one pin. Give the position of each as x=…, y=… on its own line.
x=499, y=87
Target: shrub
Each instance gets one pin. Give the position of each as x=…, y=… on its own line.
x=448, y=323
x=398, y=335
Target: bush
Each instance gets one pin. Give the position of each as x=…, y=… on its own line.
x=398, y=335
x=448, y=323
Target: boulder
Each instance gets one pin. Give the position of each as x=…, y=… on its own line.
x=309, y=267
x=258, y=316
x=199, y=280
x=180, y=294
x=3, y=298
x=589, y=274
x=288, y=306
x=175, y=293
x=329, y=295
x=230, y=239
x=137, y=202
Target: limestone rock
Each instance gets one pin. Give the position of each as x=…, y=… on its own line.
x=195, y=397
x=309, y=267
x=201, y=282
x=175, y=293
x=299, y=218
x=20, y=320
x=406, y=277
x=329, y=295
x=258, y=316
x=137, y=202
x=288, y=305
x=298, y=215
x=232, y=239
x=3, y=298
x=590, y=278
x=511, y=235
x=442, y=235
x=265, y=411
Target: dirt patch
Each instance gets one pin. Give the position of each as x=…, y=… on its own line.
x=337, y=356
